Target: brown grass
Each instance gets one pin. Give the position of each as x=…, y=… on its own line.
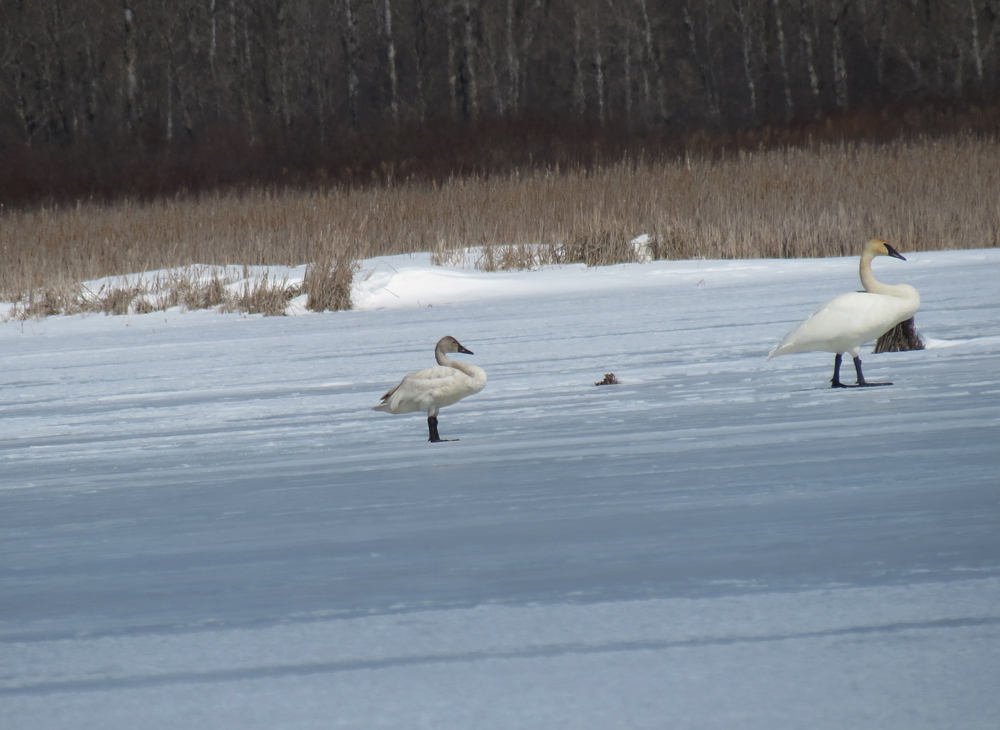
x=901, y=338
x=263, y=295
x=820, y=201
x=327, y=280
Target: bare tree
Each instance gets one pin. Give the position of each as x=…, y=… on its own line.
x=513, y=64
x=977, y=51
x=626, y=46
x=349, y=41
x=579, y=96
x=452, y=57
x=652, y=60
x=212, y=34
x=807, y=35
x=133, y=115
x=699, y=33
x=420, y=59
x=783, y=56
x=599, y=73
x=836, y=13
x=531, y=21
x=471, y=86
x=114, y=73
x=391, y=61
x=747, y=20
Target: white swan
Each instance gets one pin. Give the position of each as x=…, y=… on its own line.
x=434, y=388
x=846, y=322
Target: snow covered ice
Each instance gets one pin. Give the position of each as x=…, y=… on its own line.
x=204, y=525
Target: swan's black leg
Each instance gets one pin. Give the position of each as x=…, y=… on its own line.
x=861, y=378
x=432, y=425
x=857, y=369
x=862, y=383
x=835, y=382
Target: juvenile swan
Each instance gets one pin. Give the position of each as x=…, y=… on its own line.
x=434, y=388
x=845, y=323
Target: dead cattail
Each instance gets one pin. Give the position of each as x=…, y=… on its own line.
x=901, y=338
x=597, y=248
x=328, y=281
x=119, y=299
x=264, y=295
x=778, y=203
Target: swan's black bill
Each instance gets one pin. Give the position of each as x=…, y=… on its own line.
x=467, y=351
x=893, y=252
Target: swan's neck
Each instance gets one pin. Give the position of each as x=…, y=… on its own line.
x=468, y=368
x=868, y=280
x=442, y=359
x=873, y=285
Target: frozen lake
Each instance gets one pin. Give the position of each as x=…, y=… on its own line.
x=203, y=525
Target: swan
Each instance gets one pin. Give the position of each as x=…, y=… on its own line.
x=434, y=388
x=846, y=322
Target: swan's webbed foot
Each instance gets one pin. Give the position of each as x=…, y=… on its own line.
x=432, y=426
x=862, y=383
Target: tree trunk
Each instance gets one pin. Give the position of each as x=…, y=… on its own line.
x=652, y=59
x=977, y=53
x=806, y=38
x=58, y=87
x=452, y=59
x=837, y=15
x=599, y=73
x=169, y=131
x=349, y=40
x=880, y=54
x=704, y=64
x=283, y=65
x=248, y=110
x=91, y=81
x=391, y=59
x=472, y=83
x=782, y=56
x=490, y=55
x=513, y=72
x=627, y=62
x=211, y=34
x=901, y=338
x=744, y=16
x=131, y=91
x=420, y=57
x=579, y=98
x=530, y=21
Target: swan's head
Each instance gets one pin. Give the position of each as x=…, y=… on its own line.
x=450, y=344
x=878, y=247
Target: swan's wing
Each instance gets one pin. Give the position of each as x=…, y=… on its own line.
x=423, y=389
x=430, y=378
x=844, y=323
x=863, y=316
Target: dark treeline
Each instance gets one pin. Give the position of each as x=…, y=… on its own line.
x=117, y=96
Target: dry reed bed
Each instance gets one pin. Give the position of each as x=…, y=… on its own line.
x=825, y=201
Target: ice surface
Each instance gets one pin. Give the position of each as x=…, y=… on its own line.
x=203, y=525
